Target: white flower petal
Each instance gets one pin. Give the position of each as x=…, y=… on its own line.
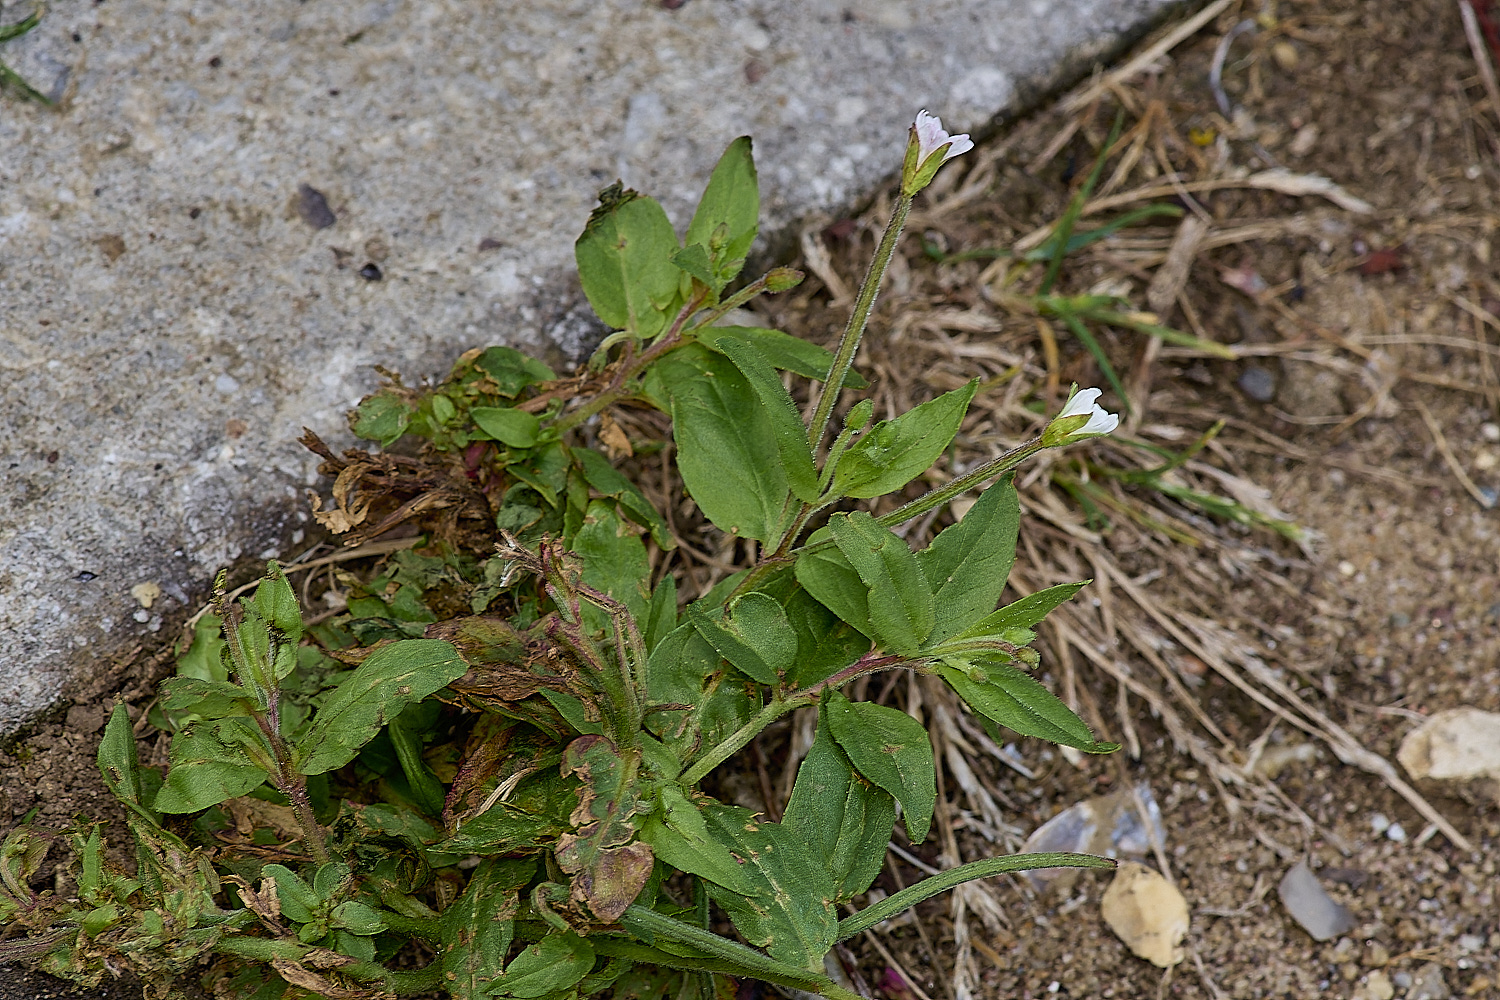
x=931, y=137
x=1082, y=403
x=1101, y=421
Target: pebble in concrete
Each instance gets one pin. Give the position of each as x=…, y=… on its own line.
x=239, y=209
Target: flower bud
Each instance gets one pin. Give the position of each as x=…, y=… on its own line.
x=780, y=279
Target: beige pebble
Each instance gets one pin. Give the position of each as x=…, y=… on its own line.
x=1285, y=55
x=1455, y=744
x=1147, y=913
x=1378, y=986
x=145, y=593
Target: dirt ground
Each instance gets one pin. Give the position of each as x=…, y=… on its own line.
x=1363, y=389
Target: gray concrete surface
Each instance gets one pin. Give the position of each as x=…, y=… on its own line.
x=170, y=319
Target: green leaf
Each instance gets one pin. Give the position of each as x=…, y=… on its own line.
x=405, y=732
x=697, y=702
x=478, y=926
x=512, y=427
x=844, y=820
x=205, y=657
x=781, y=414
x=277, y=606
x=731, y=200
x=790, y=911
x=299, y=901
x=1013, y=699
x=608, y=480
x=694, y=259
x=829, y=577
x=376, y=691
x=512, y=370
x=187, y=699
x=614, y=561
x=661, y=617
x=1026, y=612
x=824, y=643
x=680, y=837
x=544, y=470
x=119, y=763
x=625, y=261
x=502, y=829
x=894, y=452
x=900, y=600
x=753, y=634
x=382, y=417
x=726, y=446
x=209, y=765
x=891, y=749
x=784, y=351
x=967, y=563
x=551, y=965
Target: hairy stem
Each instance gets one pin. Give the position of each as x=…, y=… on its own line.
x=929, y=887
x=870, y=663
x=864, y=301
x=773, y=710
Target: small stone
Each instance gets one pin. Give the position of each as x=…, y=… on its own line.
x=146, y=593
x=1427, y=983
x=1455, y=744
x=1285, y=54
x=1148, y=913
x=1377, y=955
x=1378, y=986
x=1347, y=568
x=1490, y=432
x=1396, y=832
x=1379, y=823
x=1312, y=907
x=1258, y=384
x=312, y=206
x=371, y=272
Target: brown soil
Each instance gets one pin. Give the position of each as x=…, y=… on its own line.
x=1364, y=340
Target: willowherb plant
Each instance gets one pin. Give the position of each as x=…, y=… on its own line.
x=483, y=778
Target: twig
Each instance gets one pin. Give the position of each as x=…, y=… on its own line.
x=1149, y=56
x=1441, y=441
x=1481, y=55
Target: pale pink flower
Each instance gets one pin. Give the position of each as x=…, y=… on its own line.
x=931, y=138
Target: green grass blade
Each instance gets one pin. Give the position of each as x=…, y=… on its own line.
x=1075, y=208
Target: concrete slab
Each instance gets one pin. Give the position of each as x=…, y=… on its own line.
x=240, y=208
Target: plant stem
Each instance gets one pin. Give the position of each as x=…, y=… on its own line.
x=265, y=950
x=294, y=786
x=843, y=358
x=728, y=957
x=774, y=710
x=929, y=887
x=869, y=663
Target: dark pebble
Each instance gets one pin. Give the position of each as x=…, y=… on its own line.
x=313, y=207
x=370, y=272
x=1258, y=384
x=85, y=576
